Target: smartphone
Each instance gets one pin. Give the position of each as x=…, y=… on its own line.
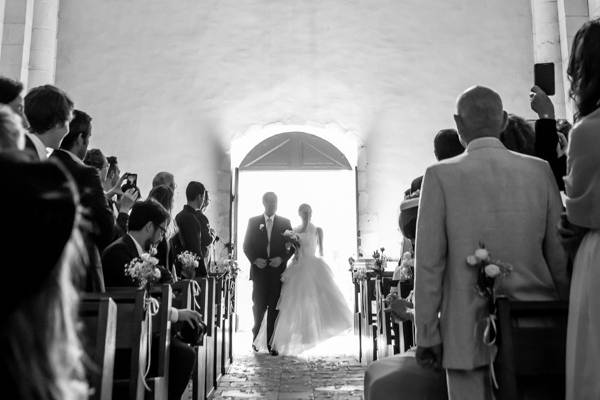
x=543, y=75
x=132, y=179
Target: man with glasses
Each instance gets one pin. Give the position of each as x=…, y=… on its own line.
x=147, y=226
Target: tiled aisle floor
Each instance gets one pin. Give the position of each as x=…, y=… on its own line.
x=323, y=373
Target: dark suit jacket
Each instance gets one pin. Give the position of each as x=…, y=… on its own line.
x=546, y=140
x=91, y=197
x=30, y=149
x=114, y=258
x=256, y=242
x=190, y=235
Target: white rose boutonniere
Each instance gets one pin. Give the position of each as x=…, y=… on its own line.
x=261, y=227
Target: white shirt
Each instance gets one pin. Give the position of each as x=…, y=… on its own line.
x=40, y=147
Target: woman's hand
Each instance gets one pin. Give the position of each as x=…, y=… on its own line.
x=571, y=235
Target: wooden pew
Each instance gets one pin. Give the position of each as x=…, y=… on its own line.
x=158, y=378
x=203, y=376
x=226, y=356
x=218, y=329
x=183, y=294
x=131, y=341
x=99, y=318
x=368, y=320
x=532, y=347
x=358, y=319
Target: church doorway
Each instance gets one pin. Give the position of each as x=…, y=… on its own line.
x=299, y=168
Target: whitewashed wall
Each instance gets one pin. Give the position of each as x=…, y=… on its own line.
x=171, y=83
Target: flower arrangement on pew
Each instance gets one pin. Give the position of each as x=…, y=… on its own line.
x=488, y=272
x=380, y=261
x=189, y=263
x=358, y=273
x=144, y=270
x=227, y=266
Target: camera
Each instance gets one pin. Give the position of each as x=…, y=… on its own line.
x=130, y=182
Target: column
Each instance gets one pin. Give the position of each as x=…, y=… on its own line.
x=546, y=45
x=571, y=15
x=16, y=39
x=42, y=61
x=594, y=7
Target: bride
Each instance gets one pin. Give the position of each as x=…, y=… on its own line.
x=311, y=306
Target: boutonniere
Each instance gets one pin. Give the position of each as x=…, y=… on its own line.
x=261, y=227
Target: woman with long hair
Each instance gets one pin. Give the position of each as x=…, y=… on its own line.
x=41, y=356
x=581, y=227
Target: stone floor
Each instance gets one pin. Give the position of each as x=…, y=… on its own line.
x=323, y=373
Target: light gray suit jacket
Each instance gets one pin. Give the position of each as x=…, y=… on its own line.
x=511, y=203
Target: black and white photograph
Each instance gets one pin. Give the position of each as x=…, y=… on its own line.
x=300, y=199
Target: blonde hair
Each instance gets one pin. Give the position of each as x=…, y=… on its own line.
x=43, y=355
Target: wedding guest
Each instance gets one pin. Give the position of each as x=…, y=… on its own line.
x=49, y=111
x=581, y=227
x=95, y=158
x=550, y=135
x=40, y=351
x=12, y=134
x=190, y=227
x=72, y=149
x=446, y=144
x=164, y=195
x=488, y=195
x=164, y=178
x=11, y=94
x=147, y=226
x=518, y=136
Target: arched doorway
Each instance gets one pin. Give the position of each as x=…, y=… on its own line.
x=300, y=168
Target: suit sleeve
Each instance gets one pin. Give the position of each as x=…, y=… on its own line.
x=248, y=245
x=553, y=250
x=430, y=260
x=546, y=140
x=101, y=213
x=189, y=229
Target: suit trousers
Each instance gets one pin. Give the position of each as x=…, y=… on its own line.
x=472, y=384
x=266, y=288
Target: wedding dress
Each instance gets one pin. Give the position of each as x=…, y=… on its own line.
x=311, y=307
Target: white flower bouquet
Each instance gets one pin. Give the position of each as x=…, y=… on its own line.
x=292, y=239
x=488, y=270
x=189, y=263
x=144, y=269
x=405, y=271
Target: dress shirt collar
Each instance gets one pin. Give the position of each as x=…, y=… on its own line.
x=485, y=142
x=138, y=247
x=272, y=217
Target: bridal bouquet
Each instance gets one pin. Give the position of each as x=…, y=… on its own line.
x=144, y=270
x=189, y=262
x=292, y=239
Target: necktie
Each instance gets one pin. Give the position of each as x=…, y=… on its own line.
x=269, y=229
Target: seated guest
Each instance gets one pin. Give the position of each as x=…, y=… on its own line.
x=70, y=154
x=95, y=158
x=164, y=178
x=509, y=202
x=41, y=357
x=147, y=226
x=49, y=111
x=190, y=226
x=12, y=134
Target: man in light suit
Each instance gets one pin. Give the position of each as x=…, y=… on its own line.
x=488, y=194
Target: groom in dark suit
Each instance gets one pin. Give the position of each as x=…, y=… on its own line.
x=265, y=247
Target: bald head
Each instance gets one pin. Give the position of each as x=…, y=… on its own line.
x=479, y=114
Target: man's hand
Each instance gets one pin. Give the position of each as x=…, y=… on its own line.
x=401, y=309
x=429, y=357
x=541, y=103
x=260, y=263
x=190, y=316
x=275, y=262
x=128, y=200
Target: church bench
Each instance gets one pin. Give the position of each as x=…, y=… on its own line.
x=99, y=318
x=130, y=341
x=531, y=349
x=202, y=381
x=158, y=376
x=183, y=294
x=227, y=357
x=219, y=288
